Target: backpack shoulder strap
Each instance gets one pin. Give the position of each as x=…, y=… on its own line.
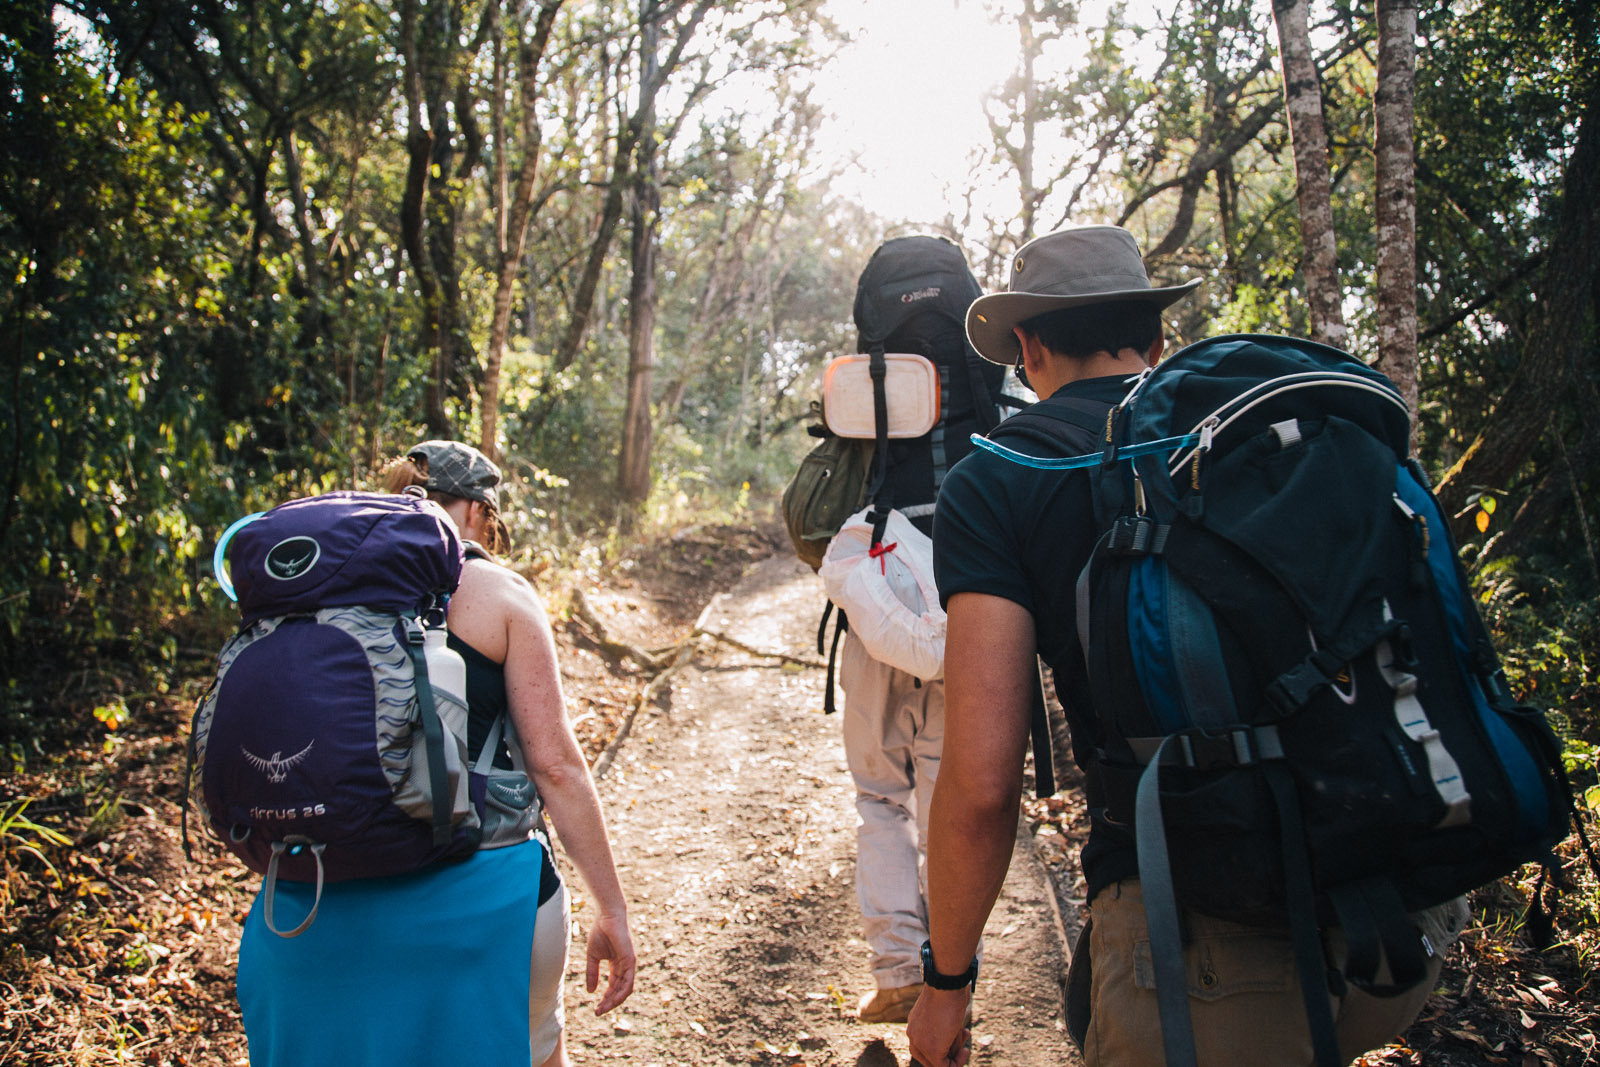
x=982, y=400
x=1066, y=423
x=877, y=491
x=1066, y=426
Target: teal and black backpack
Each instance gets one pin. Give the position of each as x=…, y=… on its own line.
x=1306, y=722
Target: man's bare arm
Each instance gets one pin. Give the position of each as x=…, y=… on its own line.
x=989, y=671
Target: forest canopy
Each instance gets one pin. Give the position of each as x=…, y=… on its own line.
x=256, y=249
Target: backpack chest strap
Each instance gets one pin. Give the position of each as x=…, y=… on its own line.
x=1204, y=750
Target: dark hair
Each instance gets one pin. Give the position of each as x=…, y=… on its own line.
x=1080, y=332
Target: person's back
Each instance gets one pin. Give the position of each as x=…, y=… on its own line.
x=909, y=299
x=483, y=942
x=1010, y=543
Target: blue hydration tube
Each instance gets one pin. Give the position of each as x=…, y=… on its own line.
x=1063, y=463
x=218, y=566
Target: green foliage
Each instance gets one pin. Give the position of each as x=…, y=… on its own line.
x=105, y=421
x=214, y=302
x=1546, y=623
x=1496, y=112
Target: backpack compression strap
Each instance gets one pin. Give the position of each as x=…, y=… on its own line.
x=878, y=492
x=1250, y=745
x=841, y=627
x=432, y=731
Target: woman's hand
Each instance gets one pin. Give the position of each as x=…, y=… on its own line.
x=610, y=940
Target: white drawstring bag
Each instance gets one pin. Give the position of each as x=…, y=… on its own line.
x=888, y=593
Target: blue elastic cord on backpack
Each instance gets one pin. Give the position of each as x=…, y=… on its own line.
x=1055, y=463
x=218, y=557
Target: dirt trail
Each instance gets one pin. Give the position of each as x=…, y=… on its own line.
x=734, y=822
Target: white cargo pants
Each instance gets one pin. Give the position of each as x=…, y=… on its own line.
x=893, y=733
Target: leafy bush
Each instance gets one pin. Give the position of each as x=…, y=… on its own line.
x=1547, y=627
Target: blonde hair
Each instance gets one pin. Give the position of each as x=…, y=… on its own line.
x=399, y=473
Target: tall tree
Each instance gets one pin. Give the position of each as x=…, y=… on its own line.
x=633, y=474
x=1215, y=103
x=762, y=37
x=685, y=20
x=514, y=201
x=444, y=145
x=1302, y=92
x=1560, y=355
x=1396, y=195
x=1056, y=135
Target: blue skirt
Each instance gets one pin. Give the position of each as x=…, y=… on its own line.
x=418, y=970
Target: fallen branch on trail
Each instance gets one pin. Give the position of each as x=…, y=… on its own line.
x=742, y=647
x=685, y=652
x=581, y=607
x=682, y=653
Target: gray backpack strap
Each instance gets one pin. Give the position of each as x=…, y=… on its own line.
x=1161, y=914
x=432, y=732
x=502, y=729
x=511, y=802
x=1259, y=745
x=270, y=888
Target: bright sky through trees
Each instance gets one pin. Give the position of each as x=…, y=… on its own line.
x=906, y=99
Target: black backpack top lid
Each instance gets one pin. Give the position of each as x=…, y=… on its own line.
x=908, y=276
x=1250, y=381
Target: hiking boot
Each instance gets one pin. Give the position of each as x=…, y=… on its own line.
x=890, y=1005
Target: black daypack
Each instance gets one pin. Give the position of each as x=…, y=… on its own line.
x=1304, y=719
x=912, y=296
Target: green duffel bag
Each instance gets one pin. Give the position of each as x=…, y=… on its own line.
x=829, y=487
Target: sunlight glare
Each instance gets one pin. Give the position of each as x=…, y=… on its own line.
x=905, y=98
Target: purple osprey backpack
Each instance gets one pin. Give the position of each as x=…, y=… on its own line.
x=324, y=751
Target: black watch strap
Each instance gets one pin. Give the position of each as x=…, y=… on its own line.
x=947, y=982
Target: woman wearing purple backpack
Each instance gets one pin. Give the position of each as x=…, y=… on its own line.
x=488, y=930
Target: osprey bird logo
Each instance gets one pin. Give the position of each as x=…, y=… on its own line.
x=292, y=557
x=277, y=765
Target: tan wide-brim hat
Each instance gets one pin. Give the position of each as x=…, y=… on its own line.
x=1065, y=269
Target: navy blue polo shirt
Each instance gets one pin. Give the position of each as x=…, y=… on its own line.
x=1012, y=531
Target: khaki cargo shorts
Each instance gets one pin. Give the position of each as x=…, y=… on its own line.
x=1244, y=993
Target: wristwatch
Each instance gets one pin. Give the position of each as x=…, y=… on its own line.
x=947, y=982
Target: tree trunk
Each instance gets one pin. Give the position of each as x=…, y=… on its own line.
x=1558, y=353
x=513, y=213
x=627, y=140
x=414, y=201
x=1397, y=199
x=1302, y=95
x=1559, y=494
x=633, y=475
x=1028, y=193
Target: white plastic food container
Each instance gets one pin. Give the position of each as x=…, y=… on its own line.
x=911, y=390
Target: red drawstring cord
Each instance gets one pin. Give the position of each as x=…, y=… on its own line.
x=878, y=551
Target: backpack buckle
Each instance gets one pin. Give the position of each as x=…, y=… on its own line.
x=1233, y=746
x=1136, y=535
x=1289, y=692
x=1205, y=749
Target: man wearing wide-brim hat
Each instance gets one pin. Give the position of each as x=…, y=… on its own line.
x=1080, y=320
